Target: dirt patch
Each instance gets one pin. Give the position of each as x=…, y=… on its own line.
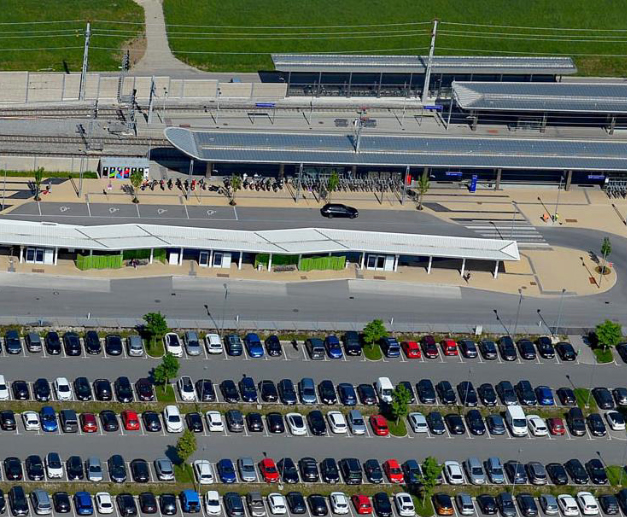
x=136, y=47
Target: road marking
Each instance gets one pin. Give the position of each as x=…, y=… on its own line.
x=64, y=209
x=113, y=210
x=163, y=211
x=186, y=212
x=235, y=213
x=211, y=212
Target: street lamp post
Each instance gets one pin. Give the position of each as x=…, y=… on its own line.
x=226, y=295
x=594, y=367
x=501, y=322
x=557, y=201
x=559, y=314
x=213, y=321
x=545, y=323
x=518, y=311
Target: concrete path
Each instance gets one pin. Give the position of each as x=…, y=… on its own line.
x=158, y=58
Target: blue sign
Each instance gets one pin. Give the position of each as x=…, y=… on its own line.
x=436, y=107
x=599, y=177
x=451, y=174
x=265, y=105
x=473, y=184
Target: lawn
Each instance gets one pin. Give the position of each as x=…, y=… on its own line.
x=399, y=429
x=166, y=396
x=373, y=352
x=55, y=42
x=603, y=356
x=616, y=475
x=183, y=473
x=239, y=35
x=585, y=399
x=155, y=350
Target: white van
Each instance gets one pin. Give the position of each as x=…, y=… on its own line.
x=384, y=388
x=516, y=420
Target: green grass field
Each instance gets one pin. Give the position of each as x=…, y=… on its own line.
x=49, y=35
x=204, y=32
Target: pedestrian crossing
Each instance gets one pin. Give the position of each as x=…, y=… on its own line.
x=521, y=231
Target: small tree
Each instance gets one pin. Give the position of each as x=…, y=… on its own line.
x=186, y=446
x=400, y=402
x=38, y=175
x=423, y=188
x=333, y=183
x=609, y=334
x=373, y=332
x=431, y=470
x=606, y=250
x=156, y=326
x=236, y=184
x=136, y=180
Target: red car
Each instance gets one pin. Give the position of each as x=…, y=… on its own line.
x=429, y=348
x=362, y=504
x=89, y=423
x=269, y=471
x=379, y=425
x=449, y=347
x=393, y=471
x=411, y=349
x=556, y=426
x=130, y=420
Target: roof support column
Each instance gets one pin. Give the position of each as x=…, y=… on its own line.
x=55, y=256
x=569, y=179
x=396, y=263
x=463, y=266
x=363, y=260
x=181, y=258
x=497, y=183
x=429, y=266
x=270, y=262
x=450, y=112
x=380, y=82
x=350, y=83
x=239, y=261
x=300, y=181
x=496, y=269
x=152, y=255
x=474, y=119
x=281, y=171
x=543, y=127
x=210, y=258
x=300, y=257
x=208, y=169
x=612, y=125
x=21, y=254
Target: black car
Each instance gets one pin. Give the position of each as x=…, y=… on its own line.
x=329, y=471
x=366, y=394
x=487, y=504
x=488, y=349
x=194, y=423
x=526, y=349
x=52, y=342
x=536, y=473
x=411, y=472
x=487, y=395
x=526, y=393
x=352, y=343
x=82, y=389
x=326, y=391
x=140, y=471
x=205, y=390
x=425, y=391
x=123, y=389
x=113, y=344
x=268, y=391
x=507, y=349
x=92, y=342
x=596, y=425
x=235, y=421
x=455, y=424
x=288, y=470
x=152, y=422
x=102, y=390
x=41, y=390
x=247, y=389
x=273, y=346
x=545, y=347
x=407, y=385
x=296, y=503
x=621, y=348
x=557, y=473
x=351, y=471
x=507, y=393
x=467, y=394
x=516, y=472
x=287, y=392
x=609, y=504
x=308, y=470
x=117, y=469
x=436, y=423
x=109, y=421
x=596, y=471
x=527, y=505
x=566, y=396
x=566, y=351
x=71, y=344
x=144, y=390
x=331, y=210
x=467, y=348
x=346, y=393
x=603, y=398
x=373, y=471
x=61, y=502
x=275, y=423
x=74, y=468
x=577, y=472
x=575, y=421
x=316, y=422
x=20, y=390
x=381, y=504
x=620, y=396
x=446, y=393
x=148, y=502
x=126, y=505
x=317, y=505
x=495, y=424
x=34, y=468
x=474, y=421
x=233, y=505
x=229, y=391
x=12, y=342
x=7, y=420
x=254, y=422
x=13, y=469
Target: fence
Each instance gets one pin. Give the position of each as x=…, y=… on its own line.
x=158, y=254
x=323, y=263
x=84, y=262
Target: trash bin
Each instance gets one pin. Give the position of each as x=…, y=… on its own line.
x=472, y=187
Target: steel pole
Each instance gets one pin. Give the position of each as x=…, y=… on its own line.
x=559, y=314
x=518, y=311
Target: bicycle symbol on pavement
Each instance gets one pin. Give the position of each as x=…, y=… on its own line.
x=64, y=208
x=211, y=212
x=113, y=210
x=161, y=210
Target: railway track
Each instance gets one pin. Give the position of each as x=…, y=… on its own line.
x=122, y=141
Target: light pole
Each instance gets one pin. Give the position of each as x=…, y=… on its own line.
x=165, y=98
x=214, y=321
x=226, y=294
x=594, y=367
x=557, y=201
x=559, y=314
x=501, y=322
x=545, y=323
x=518, y=311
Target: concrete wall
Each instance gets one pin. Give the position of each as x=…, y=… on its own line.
x=51, y=164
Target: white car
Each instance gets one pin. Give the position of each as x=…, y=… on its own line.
x=104, y=503
x=31, y=421
x=404, y=504
x=418, y=422
x=214, y=421
x=339, y=503
x=203, y=472
x=453, y=472
x=337, y=422
x=62, y=389
x=186, y=389
x=173, y=420
x=4, y=389
x=277, y=504
x=212, y=503
x=173, y=345
x=54, y=466
x=587, y=503
x=568, y=505
x=296, y=423
x=537, y=426
x=213, y=344
x=615, y=420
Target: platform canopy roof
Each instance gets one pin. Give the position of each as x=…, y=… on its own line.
x=120, y=237
x=336, y=149
x=542, y=97
x=359, y=63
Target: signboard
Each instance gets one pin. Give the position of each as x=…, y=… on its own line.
x=435, y=107
x=453, y=174
x=598, y=177
x=265, y=105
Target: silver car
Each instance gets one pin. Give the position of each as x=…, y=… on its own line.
x=548, y=503
x=307, y=391
x=474, y=471
x=94, y=469
x=356, y=422
x=164, y=469
x=135, y=346
x=192, y=345
x=247, y=472
x=494, y=469
x=465, y=504
x=41, y=502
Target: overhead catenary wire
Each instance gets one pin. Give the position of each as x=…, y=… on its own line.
x=526, y=38
x=531, y=27
x=467, y=50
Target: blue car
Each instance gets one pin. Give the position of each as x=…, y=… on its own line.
x=226, y=471
x=253, y=345
x=247, y=389
x=48, y=419
x=333, y=347
x=545, y=396
x=190, y=501
x=390, y=347
x=83, y=504
x=347, y=394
